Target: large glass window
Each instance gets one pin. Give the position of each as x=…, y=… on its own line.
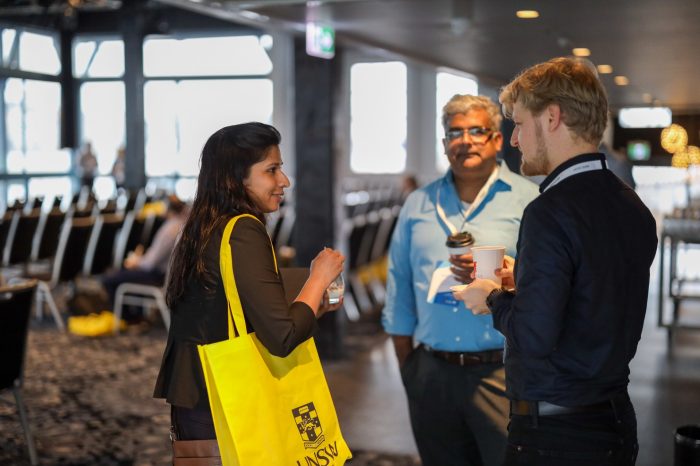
x=30, y=51
x=446, y=86
x=181, y=115
x=32, y=118
x=205, y=56
x=98, y=58
x=378, y=132
x=102, y=120
x=8, y=38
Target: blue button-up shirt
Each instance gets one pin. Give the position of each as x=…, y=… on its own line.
x=418, y=246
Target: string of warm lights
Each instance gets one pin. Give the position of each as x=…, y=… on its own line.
x=674, y=140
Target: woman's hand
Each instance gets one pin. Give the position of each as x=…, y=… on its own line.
x=327, y=265
x=326, y=306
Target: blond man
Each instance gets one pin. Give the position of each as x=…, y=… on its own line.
x=585, y=247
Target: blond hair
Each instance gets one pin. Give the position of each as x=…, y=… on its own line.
x=572, y=84
x=465, y=103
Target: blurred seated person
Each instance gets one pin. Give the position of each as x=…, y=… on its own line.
x=149, y=268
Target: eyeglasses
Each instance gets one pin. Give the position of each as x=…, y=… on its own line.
x=477, y=134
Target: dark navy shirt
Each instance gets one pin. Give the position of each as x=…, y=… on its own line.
x=584, y=251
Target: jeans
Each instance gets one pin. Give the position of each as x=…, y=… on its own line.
x=582, y=439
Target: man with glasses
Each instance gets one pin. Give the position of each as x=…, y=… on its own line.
x=451, y=360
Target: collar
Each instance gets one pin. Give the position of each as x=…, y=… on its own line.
x=579, y=159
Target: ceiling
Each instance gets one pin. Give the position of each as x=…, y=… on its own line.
x=654, y=43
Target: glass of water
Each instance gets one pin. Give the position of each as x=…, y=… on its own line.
x=335, y=290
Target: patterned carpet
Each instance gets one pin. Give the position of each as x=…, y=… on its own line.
x=89, y=403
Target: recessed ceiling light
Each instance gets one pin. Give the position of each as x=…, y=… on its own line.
x=605, y=69
x=621, y=80
x=527, y=14
x=581, y=52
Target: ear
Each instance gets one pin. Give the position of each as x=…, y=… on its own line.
x=553, y=114
x=498, y=141
x=445, y=145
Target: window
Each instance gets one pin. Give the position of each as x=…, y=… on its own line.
x=103, y=120
x=645, y=117
x=30, y=51
x=181, y=115
x=32, y=117
x=446, y=86
x=102, y=112
x=98, y=58
x=231, y=86
x=8, y=45
x=206, y=56
x=378, y=132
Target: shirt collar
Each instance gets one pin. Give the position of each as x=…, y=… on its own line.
x=583, y=158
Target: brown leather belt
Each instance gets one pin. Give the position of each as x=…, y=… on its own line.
x=543, y=408
x=467, y=358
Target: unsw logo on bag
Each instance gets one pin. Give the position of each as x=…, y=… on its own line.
x=309, y=425
x=311, y=433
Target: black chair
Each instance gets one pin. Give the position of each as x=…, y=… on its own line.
x=67, y=264
x=129, y=237
x=5, y=224
x=47, y=234
x=110, y=207
x=18, y=246
x=151, y=225
x=100, y=252
x=15, y=308
x=135, y=200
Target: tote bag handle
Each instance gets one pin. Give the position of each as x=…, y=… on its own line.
x=235, y=309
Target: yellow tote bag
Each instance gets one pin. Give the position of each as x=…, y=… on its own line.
x=267, y=410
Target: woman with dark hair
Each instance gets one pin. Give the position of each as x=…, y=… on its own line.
x=241, y=173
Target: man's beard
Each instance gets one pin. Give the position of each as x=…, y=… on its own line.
x=539, y=164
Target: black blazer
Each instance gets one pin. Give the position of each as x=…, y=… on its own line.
x=200, y=316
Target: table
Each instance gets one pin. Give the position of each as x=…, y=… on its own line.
x=675, y=232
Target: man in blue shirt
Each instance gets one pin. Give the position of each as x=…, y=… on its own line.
x=451, y=360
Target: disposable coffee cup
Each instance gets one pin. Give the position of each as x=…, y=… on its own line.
x=459, y=243
x=486, y=260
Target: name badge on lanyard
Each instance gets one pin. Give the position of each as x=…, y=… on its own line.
x=575, y=170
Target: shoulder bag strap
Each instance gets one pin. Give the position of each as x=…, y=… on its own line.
x=235, y=314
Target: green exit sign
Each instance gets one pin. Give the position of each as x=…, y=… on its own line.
x=320, y=40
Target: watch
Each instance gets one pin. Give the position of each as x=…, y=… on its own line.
x=493, y=295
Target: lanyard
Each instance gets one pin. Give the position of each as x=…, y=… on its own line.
x=479, y=198
x=576, y=169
